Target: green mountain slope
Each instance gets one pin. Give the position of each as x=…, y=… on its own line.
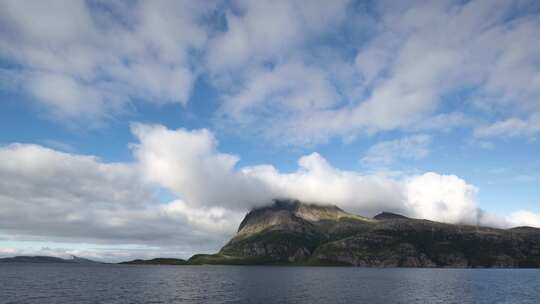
x=291, y=232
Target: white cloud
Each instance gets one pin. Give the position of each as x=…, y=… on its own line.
x=312, y=71
x=187, y=163
x=480, y=37
x=60, y=196
x=510, y=127
x=292, y=87
x=386, y=152
x=318, y=182
x=86, y=61
x=258, y=31
x=445, y=198
x=405, y=73
x=65, y=96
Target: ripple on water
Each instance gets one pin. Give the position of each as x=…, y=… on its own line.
x=61, y=283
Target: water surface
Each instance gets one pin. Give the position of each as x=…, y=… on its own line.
x=65, y=283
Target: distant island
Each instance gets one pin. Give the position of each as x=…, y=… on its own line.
x=47, y=259
x=156, y=261
x=290, y=232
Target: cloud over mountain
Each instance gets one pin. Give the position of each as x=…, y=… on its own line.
x=65, y=197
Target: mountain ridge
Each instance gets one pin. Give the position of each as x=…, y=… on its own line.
x=294, y=233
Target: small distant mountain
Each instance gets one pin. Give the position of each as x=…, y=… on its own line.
x=156, y=261
x=292, y=232
x=47, y=259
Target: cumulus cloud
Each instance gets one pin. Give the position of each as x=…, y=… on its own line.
x=386, y=152
x=46, y=194
x=317, y=181
x=445, y=198
x=433, y=196
x=187, y=163
x=64, y=197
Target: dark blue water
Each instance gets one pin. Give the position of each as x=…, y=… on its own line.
x=61, y=283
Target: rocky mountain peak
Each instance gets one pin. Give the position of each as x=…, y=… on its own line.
x=286, y=213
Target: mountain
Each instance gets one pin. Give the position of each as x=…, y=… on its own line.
x=47, y=259
x=156, y=261
x=291, y=232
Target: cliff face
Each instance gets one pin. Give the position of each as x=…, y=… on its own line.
x=294, y=232
x=290, y=231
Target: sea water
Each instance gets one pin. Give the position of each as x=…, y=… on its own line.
x=68, y=283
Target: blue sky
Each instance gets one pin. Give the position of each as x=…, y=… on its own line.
x=171, y=119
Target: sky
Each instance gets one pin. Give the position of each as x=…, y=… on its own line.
x=140, y=129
